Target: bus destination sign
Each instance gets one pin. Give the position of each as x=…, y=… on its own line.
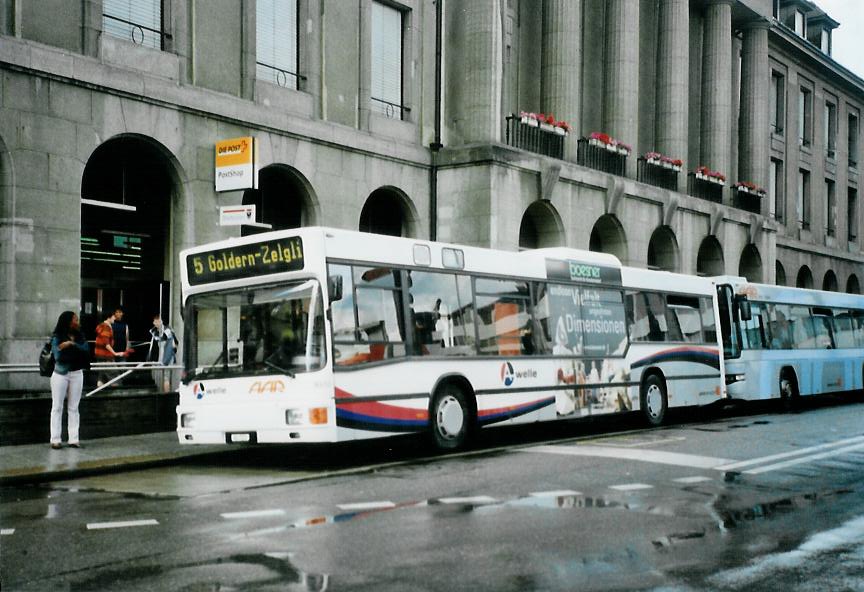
x=244, y=261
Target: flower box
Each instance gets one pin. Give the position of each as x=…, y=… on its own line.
x=751, y=189
x=547, y=123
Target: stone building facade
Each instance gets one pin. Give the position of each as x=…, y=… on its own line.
x=108, y=124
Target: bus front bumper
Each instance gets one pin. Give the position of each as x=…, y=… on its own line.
x=255, y=424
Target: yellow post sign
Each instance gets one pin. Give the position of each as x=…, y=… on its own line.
x=236, y=164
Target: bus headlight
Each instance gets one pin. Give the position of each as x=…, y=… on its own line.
x=187, y=420
x=293, y=416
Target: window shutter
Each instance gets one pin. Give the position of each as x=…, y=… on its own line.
x=387, y=60
x=145, y=16
x=276, y=28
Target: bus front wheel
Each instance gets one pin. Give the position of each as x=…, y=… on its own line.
x=653, y=399
x=451, y=418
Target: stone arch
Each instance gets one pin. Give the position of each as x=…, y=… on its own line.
x=779, y=274
x=709, y=260
x=389, y=210
x=541, y=226
x=284, y=199
x=607, y=236
x=829, y=281
x=804, y=278
x=750, y=264
x=131, y=187
x=663, y=250
x=853, y=286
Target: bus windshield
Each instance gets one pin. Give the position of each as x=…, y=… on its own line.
x=256, y=330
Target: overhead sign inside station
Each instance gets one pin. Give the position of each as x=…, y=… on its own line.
x=237, y=164
x=236, y=215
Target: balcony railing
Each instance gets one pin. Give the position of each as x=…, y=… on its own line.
x=745, y=199
x=134, y=32
x=538, y=138
x=388, y=109
x=663, y=175
x=704, y=188
x=278, y=76
x=600, y=158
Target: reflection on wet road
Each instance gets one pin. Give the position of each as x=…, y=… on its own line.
x=740, y=503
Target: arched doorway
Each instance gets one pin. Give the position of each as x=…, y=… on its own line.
x=388, y=210
x=608, y=236
x=829, y=282
x=284, y=199
x=663, y=250
x=128, y=188
x=805, y=278
x=709, y=260
x=852, y=285
x=750, y=264
x=779, y=274
x=541, y=227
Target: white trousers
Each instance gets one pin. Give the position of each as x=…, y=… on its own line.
x=63, y=387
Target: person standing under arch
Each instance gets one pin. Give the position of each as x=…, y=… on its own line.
x=72, y=356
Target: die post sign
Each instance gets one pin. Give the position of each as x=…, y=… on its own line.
x=236, y=164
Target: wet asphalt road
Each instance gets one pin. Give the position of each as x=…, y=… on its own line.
x=746, y=500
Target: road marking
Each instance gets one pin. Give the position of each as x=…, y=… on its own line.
x=252, y=514
x=7, y=531
x=652, y=456
x=631, y=487
x=122, y=524
x=802, y=460
x=844, y=536
x=479, y=499
x=366, y=506
x=692, y=479
x=763, y=459
x=651, y=442
x=557, y=493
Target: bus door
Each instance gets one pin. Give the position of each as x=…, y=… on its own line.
x=728, y=322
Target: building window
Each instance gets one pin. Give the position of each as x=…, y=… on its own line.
x=852, y=214
x=830, y=137
x=800, y=24
x=387, y=60
x=825, y=42
x=803, y=199
x=276, y=42
x=854, y=132
x=778, y=101
x=138, y=21
x=776, y=203
x=805, y=116
x=830, y=208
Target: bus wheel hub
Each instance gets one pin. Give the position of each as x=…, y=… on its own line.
x=450, y=417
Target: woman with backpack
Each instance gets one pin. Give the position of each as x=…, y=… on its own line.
x=72, y=356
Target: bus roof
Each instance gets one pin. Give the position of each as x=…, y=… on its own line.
x=666, y=281
x=790, y=295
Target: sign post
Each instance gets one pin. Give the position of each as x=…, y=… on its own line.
x=236, y=164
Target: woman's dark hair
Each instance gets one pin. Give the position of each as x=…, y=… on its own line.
x=63, y=323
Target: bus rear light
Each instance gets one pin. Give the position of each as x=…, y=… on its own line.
x=293, y=416
x=318, y=415
x=187, y=420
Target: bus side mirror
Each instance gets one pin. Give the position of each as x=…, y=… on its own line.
x=744, y=311
x=334, y=287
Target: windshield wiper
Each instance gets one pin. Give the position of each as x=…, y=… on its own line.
x=270, y=364
x=208, y=369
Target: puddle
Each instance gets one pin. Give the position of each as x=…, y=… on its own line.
x=734, y=517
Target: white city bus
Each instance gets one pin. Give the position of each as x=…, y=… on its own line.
x=324, y=335
x=788, y=342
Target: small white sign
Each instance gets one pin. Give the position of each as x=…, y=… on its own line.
x=236, y=215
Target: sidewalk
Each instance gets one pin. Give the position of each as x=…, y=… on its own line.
x=34, y=463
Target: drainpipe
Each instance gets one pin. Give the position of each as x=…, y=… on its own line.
x=436, y=145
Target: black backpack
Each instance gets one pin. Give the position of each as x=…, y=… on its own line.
x=46, y=360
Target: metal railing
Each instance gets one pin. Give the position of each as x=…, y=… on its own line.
x=746, y=201
x=704, y=189
x=280, y=76
x=657, y=175
x=599, y=158
x=534, y=138
x=123, y=369
x=137, y=33
x=389, y=109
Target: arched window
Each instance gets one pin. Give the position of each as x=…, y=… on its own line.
x=541, y=227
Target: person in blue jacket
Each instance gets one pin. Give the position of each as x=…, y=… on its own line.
x=72, y=356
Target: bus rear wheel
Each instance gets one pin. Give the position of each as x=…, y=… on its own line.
x=653, y=400
x=789, y=395
x=451, y=418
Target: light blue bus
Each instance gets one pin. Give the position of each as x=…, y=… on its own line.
x=783, y=343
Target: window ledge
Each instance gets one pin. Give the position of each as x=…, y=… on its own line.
x=283, y=99
x=397, y=129
x=128, y=55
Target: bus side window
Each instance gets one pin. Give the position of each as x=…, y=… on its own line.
x=684, y=310
x=646, y=316
x=439, y=307
x=503, y=316
x=780, y=327
x=709, y=328
x=822, y=328
x=858, y=326
x=754, y=333
x=844, y=336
